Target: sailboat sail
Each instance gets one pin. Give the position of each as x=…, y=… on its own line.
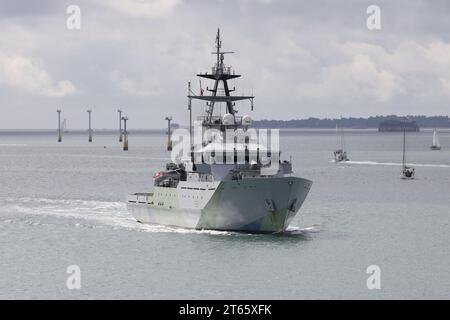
x=436, y=139
x=436, y=144
x=64, y=126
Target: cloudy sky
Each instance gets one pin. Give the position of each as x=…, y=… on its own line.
x=299, y=58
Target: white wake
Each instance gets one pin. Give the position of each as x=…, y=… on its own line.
x=100, y=214
x=375, y=163
x=95, y=214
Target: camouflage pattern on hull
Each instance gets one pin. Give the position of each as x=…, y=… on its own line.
x=255, y=205
x=250, y=205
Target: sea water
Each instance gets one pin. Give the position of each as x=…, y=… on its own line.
x=63, y=204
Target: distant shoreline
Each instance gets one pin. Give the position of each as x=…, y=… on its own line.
x=101, y=132
x=354, y=123
x=371, y=123
x=78, y=131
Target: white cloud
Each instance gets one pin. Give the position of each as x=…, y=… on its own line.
x=148, y=8
x=22, y=73
x=445, y=85
x=407, y=57
x=359, y=78
x=439, y=53
x=133, y=87
x=416, y=69
x=322, y=51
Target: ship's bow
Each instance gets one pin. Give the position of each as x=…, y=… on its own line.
x=255, y=205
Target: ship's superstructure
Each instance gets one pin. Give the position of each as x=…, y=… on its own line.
x=228, y=181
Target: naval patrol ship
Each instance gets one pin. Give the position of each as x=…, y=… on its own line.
x=252, y=190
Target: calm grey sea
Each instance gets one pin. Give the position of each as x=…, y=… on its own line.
x=63, y=204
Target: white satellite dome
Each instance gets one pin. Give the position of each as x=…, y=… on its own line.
x=246, y=120
x=228, y=119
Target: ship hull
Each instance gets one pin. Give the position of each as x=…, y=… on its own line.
x=258, y=205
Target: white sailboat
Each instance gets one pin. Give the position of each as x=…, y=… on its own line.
x=407, y=172
x=340, y=154
x=436, y=145
x=64, y=126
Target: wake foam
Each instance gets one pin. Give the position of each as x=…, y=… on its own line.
x=303, y=231
x=93, y=214
x=374, y=163
x=101, y=156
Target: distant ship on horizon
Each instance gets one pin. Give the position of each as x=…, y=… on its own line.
x=396, y=125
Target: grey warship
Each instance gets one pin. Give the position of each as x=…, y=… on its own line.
x=252, y=190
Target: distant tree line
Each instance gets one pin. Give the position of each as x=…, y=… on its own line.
x=352, y=123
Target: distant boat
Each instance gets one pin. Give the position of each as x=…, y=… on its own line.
x=340, y=154
x=436, y=145
x=407, y=172
x=64, y=126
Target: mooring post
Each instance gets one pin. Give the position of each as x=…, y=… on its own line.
x=59, y=125
x=120, y=124
x=90, y=129
x=169, y=134
x=125, y=134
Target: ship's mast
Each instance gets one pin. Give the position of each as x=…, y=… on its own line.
x=220, y=73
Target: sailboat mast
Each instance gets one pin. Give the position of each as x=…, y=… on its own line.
x=337, y=134
x=404, y=148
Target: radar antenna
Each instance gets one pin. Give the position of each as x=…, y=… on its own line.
x=220, y=73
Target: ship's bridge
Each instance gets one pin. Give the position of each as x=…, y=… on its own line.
x=218, y=120
x=222, y=153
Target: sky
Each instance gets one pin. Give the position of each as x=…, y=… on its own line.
x=299, y=58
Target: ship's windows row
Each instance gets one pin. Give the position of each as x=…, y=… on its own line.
x=193, y=197
x=187, y=188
